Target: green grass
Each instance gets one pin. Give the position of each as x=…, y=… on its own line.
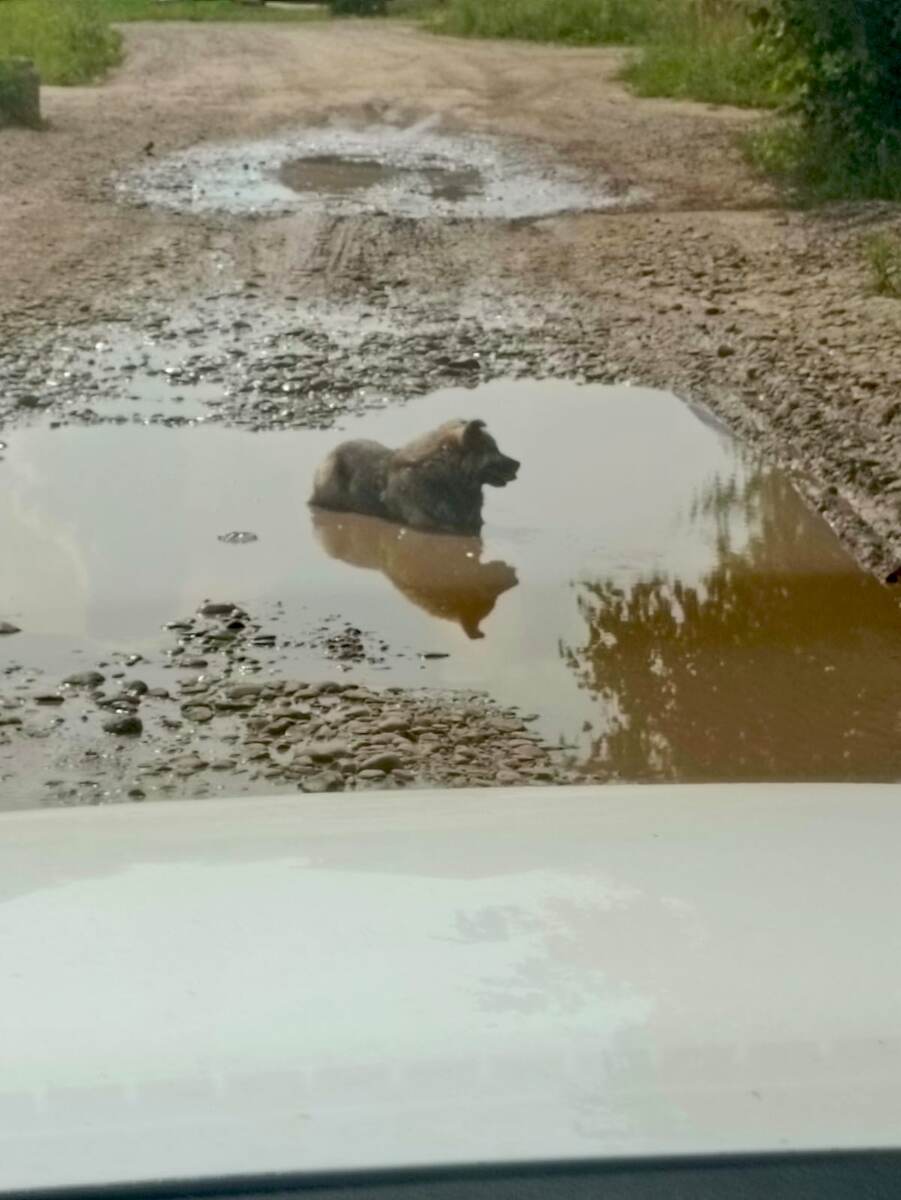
x=201, y=10
x=815, y=168
x=577, y=22
x=70, y=41
x=711, y=57
x=882, y=252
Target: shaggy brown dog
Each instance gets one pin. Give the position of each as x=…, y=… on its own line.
x=443, y=575
x=433, y=483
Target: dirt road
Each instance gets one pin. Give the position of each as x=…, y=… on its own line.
x=707, y=287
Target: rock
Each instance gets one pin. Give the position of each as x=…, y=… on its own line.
x=197, y=712
x=4, y=720
x=137, y=687
x=325, y=751
x=48, y=698
x=381, y=762
x=239, y=537
x=126, y=725
x=211, y=609
x=6, y=628
x=371, y=774
x=243, y=691
x=393, y=724
x=88, y=679
x=20, y=93
x=725, y=351
x=327, y=781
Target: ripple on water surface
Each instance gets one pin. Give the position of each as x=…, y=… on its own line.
x=661, y=598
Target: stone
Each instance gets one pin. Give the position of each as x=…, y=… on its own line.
x=137, y=687
x=394, y=725
x=20, y=93
x=197, y=712
x=48, y=698
x=238, y=537
x=215, y=609
x=6, y=628
x=381, y=762
x=126, y=725
x=325, y=751
x=88, y=679
x=327, y=781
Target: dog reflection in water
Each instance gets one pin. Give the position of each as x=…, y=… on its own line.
x=442, y=573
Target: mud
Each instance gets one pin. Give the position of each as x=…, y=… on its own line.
x=659, y=600
x=159, y=319
x=403, y=170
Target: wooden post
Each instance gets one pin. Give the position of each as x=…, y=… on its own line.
x=20, y=93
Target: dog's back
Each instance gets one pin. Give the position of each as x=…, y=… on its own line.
x=353, y=479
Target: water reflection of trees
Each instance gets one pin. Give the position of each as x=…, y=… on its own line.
x=783, y=663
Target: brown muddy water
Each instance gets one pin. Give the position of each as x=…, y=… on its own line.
x=659, y=597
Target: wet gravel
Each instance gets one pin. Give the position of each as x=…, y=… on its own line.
x=233, y=722
x=236, y=361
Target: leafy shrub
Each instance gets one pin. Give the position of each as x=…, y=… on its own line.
x=578, y=22
x=358, y=8
x=883, y=255
x=845, y=58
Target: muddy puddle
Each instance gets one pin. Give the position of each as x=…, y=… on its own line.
x=662, y=602
x=413, y=171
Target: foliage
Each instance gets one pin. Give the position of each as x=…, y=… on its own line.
x=882, y=252
x=845, y=58
x=579, y=22
x=69, y=41
x=358, y=8
x=707, y=53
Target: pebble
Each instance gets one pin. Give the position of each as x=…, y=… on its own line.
x=325, y=751
x=125, y=725
x=87, y=679
x=381, y=762
x=197, y=712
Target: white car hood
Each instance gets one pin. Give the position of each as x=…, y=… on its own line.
x=382, y=980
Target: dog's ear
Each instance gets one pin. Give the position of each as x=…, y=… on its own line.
x=471, y=435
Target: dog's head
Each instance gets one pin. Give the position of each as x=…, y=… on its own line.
x=482, y=457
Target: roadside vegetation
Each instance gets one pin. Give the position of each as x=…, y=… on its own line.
x=73, y=41
x=882, y=252
x=70, y=41
x=830, y=66
x=577, y=22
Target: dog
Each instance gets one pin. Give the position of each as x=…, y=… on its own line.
x=442, y=575
x=433, y=483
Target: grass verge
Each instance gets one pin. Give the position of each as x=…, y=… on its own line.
x=70, y=41
x=815, y=168
x=203, y=10
x=576, y=22
x=708, y=55
x=882, y=252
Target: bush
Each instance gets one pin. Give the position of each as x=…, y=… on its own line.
x=358, y=8
x=883, y=255
x=69, y=41
x=845, y=58
x=578, y=22
x=707, y=53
